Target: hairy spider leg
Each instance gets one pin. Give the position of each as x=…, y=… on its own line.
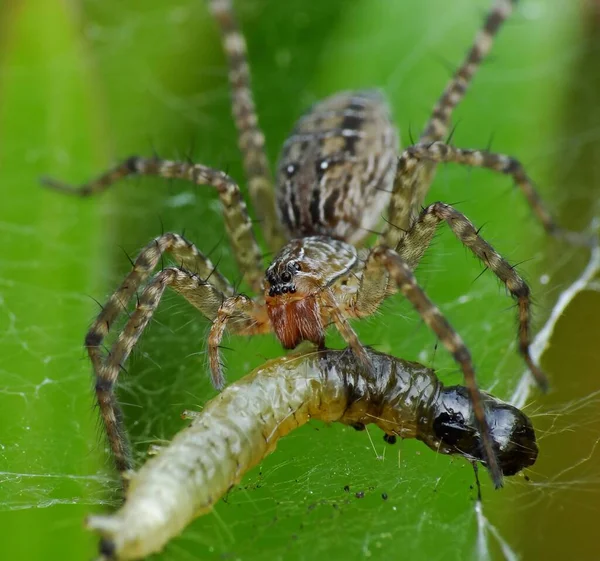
x=237, y=221
x=418, y=239
x=438, y=124
x=401, y=275
x=440, y=152
x=411, y=186
x=251, y=138
x=205, y=288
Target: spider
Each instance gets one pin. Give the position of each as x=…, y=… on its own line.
x=338, y=171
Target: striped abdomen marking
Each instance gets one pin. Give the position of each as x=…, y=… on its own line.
x=337, y=166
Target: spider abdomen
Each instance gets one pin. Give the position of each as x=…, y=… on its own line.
x=337, y=167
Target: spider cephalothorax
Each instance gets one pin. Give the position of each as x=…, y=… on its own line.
x=338, y=170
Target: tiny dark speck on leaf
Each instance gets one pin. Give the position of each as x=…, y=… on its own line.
x=384, y=496
x=312, y=506
x=527, y=478
x=360, y=495
x=347, y=488
x=389, y=438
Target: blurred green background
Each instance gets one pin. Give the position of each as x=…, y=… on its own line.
x=83, y=84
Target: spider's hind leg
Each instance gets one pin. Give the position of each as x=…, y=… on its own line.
x=414, y=178
x=438, y=124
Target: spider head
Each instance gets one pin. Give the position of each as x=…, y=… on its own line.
x=454, y=430
x=293, y=281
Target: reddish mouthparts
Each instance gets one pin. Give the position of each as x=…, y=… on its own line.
x=296, y=320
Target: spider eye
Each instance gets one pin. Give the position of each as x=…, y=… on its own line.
x=286, y=277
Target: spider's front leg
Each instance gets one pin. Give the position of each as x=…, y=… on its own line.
x=106, y=369
x=440, y=152
x=415, y=243
x=237, y=221
x=242, y=316
x=382, y=259
x=198, y=282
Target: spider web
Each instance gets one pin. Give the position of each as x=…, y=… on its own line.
x=105, y=80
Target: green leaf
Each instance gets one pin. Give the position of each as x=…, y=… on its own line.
x=84, y=85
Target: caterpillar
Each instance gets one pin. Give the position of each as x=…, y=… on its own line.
x=242, y=425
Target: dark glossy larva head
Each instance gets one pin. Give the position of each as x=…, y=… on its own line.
x=454, y=429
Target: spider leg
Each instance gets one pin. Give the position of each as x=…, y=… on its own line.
x=327, y=299
x=438, y=124
x=402, y=276
x=207, y=297
x=251, y=138
x=411, y=177
x=243, y=316
x=198, y=292
x=237, y=220
x=415, y=243
x=184, y=252
x=440, y=152
x=413, y=180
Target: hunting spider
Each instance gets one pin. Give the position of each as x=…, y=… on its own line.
x=338, y=171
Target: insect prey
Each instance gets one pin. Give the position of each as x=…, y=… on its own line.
x=243, y=424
